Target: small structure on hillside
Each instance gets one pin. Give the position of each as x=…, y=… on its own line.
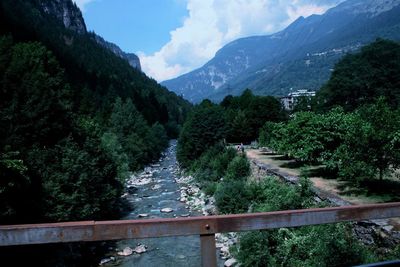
x=292, y=98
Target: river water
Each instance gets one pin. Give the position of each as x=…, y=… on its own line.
x=160, y=192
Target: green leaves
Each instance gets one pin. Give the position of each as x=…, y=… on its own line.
x=82, y=185
x=368, y=150
x=247, y=113
x=204, y=128
x=361, y=78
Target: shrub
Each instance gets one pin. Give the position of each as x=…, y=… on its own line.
x=232, y=197
x=272, y=194
x=254, y=249
x=238, y=169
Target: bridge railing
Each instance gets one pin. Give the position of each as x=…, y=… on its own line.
x=206, y=227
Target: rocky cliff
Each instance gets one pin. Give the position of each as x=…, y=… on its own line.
x=67, y=12
x=130, y=57
x=71, y=16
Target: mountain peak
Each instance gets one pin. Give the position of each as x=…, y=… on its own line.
x=372, y=7
x=67, y=12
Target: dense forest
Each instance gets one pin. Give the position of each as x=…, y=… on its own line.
x=351, y=127
x=64, y=102
x=75, y=119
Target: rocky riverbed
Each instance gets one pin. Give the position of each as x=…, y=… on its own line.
x=159, y=191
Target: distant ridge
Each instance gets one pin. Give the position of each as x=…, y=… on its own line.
x=299, y=57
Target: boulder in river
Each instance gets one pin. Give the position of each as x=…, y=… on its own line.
x=140, y=249
x=230, y=263
x=155, y=187
x=166, y=210
x=106, y=260
x=126, y=252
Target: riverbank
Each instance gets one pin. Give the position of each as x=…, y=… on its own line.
x=160, y=191
x=196, y=200
x=384, y=232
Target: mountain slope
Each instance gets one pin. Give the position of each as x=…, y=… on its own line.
x=300, y=56
x=69, y=14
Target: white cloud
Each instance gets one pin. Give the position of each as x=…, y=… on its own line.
x=211, y=24
x=81, y=3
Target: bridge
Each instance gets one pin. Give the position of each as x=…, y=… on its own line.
x=206, y=227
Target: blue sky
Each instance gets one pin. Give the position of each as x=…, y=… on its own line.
x=138, y=25
x=173, y=37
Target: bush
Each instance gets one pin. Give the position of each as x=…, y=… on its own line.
x=272, y=194
x=322, y=245
x=212, y=164
x=254, y=249
x=232, y=197
x=238, y=169
x=209, y=188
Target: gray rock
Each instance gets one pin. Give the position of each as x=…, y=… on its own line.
x=106, y=260
x=230, y=263
x=140, y=249
x=126, y=252
x=166, y=210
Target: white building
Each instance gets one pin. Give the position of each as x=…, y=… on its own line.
x=290, y=100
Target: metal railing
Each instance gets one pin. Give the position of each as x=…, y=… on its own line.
x=206, y=227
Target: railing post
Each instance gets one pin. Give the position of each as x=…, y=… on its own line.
x=208, y=250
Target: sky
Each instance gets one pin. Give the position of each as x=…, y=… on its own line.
x=173, y=37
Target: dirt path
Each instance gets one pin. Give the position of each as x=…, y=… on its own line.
x=328, y=189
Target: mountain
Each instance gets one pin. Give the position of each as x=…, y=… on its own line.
x=132, y=59
x=67, y=12
x=71, y=17
x=298, y=57
x=96, y=72
x=72, y=113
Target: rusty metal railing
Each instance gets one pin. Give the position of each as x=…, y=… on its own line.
x=206, y=227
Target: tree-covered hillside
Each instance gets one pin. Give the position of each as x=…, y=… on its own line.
x=360, y=78
x=75, y=118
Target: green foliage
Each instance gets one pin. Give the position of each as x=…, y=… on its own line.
x=325, y=245
x=368, y=148
x=266, y=136
x=273, y=195
x=308, y=136
x=254, y=249
x=232, y=197
x=68, y=104
x=139, y=142
x=212, y=164
x=247, y=113
x=111, y=145
x=82, y=185
x=204, y=128
x=13, y=181
x=363, y=77
x=238, y=169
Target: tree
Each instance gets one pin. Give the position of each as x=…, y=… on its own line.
x=205, y=127
x=363, y=77
x=308, y=136
x=82, y=183
x=369, y=145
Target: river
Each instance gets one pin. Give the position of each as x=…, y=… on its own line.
x=160, y=191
